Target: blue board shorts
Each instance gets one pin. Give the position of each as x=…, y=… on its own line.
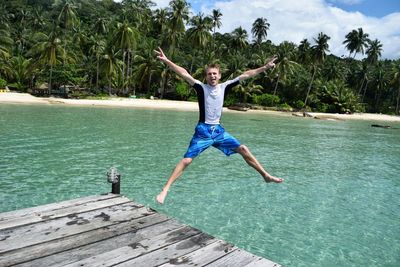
x=206, y=135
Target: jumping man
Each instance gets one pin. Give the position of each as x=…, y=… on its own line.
x=208, y=131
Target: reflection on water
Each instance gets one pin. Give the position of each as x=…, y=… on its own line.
x=339, y=204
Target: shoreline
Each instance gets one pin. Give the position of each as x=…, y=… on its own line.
x=24, y=98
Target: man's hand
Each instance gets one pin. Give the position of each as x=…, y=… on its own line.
x=271, y=63
x=177, y=69
x=160, y=55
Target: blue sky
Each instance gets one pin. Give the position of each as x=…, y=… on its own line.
x=295, y=20
x=374, y=8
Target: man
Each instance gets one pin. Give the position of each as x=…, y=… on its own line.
x=208, y=131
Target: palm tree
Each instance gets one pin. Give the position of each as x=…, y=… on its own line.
x=379, y=84
x=138, y=12
x=259, y=29
x=67, y=16
x=178, y=16
x=333, y=70
x=304, y=51
x=146, y=66
x=356, y=41
x=216, y=23
x=216, y=19
x=285, y=66
x=318, y=53
x=97, y=48
x=48, y=51
x=247, y=90
x=125, y=37
x=68, y=19
x=199, y=34
x=239, y=38
x=110, y=66
x=19, y=69
x=37, y=19
x=5, y=43
x=100, y=27
x=373, y=53
x=395, y=81
x=160, y=19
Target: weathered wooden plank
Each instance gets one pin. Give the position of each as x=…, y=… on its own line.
x=170, y=253
x=262, y=262
x=110, y=230
x=46, y=215
x=96, y=242
x=202, y=256
x=138, y=248
x=9, y=215
x=71, y=225
x=236, y=258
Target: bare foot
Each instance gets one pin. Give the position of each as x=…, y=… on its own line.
x=161, y=197
x=273, y=179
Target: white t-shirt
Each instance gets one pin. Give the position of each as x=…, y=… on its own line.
x=211, y=99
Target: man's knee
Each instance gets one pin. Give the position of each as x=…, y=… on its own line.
x=243, y=150
x=186, y=161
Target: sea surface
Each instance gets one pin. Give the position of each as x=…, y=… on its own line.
x=339, y=204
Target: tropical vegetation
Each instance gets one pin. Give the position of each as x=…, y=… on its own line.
x=106, y=47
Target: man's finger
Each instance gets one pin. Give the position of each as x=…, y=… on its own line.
x=274, y=58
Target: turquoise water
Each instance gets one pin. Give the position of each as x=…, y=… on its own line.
x=339, y=204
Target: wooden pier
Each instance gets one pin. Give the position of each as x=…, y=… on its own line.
x=110, y=230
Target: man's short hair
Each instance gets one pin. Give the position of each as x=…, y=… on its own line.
x=213, y=66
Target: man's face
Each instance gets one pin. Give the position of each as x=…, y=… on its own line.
x=213, y=76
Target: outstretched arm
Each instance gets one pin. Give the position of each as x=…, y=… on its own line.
x=251, y=73
x=177, y=69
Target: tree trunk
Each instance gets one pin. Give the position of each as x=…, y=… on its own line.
x=163, y=83
x=365, y=90
x=126, y=89
x=275, y=89
x=191, y=64
x=397, y=102
x=309, y=87
x=97, y=74
x=149, y=84
x=123, y=69
x=109, y=86
x=51, y=76
x=361, y=87
x=276, y=85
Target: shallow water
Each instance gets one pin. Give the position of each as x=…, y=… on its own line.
x=339, y=204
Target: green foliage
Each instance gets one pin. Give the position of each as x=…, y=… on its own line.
x=182, y=90
x=285, y=107
x=230, y=100
x=298, y=104
x=335, y=97
x=108, y=46
x=267, y=100
x=3, y=83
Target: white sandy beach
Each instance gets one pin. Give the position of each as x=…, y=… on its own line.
x=22, y=98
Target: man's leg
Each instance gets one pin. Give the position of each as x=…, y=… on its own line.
x=253, y=162
x=180, y=167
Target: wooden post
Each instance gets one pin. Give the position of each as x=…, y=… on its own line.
x=115, y=187
x=115, y=178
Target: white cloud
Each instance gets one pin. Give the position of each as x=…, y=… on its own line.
x=161, y=3
x=349, y=2
x=295, y=20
